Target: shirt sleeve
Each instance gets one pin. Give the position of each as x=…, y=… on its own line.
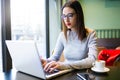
x=58, y=48
x=86, y=62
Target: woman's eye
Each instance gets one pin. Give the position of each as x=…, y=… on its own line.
x=70, y=15
x=63, y=16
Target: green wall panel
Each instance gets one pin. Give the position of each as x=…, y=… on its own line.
x=101, y=14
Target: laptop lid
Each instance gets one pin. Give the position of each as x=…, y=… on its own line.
x=25, y=57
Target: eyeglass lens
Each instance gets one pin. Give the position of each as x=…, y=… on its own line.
x=69, y=15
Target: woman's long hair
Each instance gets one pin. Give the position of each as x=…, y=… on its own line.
x=80, y=26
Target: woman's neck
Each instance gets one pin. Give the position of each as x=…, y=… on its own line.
x=73, y=29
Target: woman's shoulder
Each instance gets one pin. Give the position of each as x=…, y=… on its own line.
x=90, y=31
x=61, y=33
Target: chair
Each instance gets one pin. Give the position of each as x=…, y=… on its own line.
x=110, y=56
x=62, y=59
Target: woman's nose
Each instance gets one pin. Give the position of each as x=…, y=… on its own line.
x=67, y=19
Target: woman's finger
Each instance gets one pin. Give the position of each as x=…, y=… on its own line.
x=56, y=65
x=51, y=70
x=44, y=62
x=49, y=65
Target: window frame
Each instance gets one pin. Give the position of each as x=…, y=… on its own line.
x=6, y=34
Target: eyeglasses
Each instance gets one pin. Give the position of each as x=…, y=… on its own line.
x=69, y=15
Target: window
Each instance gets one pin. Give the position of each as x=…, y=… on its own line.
x=55, y=22
x=28, y=22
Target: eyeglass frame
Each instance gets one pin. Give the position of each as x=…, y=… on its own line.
x=69, y=16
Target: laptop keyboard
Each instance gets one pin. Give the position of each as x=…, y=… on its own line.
x=55, y=71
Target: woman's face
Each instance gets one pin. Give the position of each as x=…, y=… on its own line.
x=69, y=17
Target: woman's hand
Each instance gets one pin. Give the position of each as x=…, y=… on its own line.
x=51, y=66
x=44, y=62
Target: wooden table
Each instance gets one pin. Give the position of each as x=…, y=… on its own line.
x=113, y=74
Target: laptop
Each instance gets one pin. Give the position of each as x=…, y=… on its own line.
x=26, y=59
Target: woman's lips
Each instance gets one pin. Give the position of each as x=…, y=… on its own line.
x=68, y=24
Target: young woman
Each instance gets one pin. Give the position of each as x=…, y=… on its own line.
x=76, y=42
